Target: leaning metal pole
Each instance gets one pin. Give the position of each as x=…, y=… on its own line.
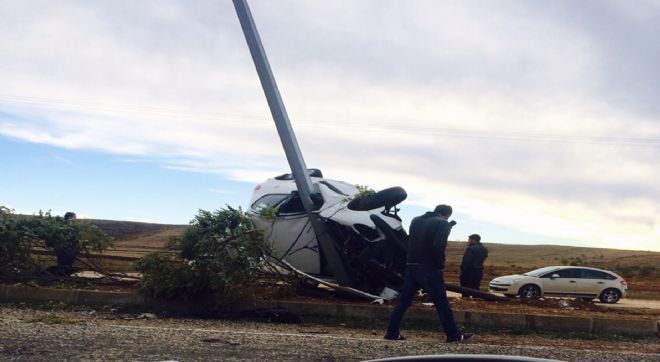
x=277, y=110
x=333, y=254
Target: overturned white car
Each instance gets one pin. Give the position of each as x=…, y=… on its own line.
x=364, y=226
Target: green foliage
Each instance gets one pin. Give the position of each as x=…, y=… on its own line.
x=364, y=191
x=67, y=239
x=217, y=259
x=52, y=318
x=268, y=213
x=636, y=271
x=15, y=258
x=576, y=261
x=647, y=271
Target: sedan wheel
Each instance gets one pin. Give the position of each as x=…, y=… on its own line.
x=610, y=296
x=529, y=291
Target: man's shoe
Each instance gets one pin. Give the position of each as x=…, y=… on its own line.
x=398, y=338
x=461, y=337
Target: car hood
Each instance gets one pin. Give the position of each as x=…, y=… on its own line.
x=508, y=279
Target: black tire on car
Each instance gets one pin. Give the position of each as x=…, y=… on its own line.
x=387, y=198
x=529, y=291
x=610, y=296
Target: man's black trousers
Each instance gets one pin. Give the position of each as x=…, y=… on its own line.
x=471, y=278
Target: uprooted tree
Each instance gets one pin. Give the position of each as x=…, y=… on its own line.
x=22, y=238
x=219, y=260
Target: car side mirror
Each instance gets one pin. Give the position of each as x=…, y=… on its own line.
x=554, y=276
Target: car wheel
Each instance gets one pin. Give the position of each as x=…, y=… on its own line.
x=610, y=296
x=529, y=291
x=388, y=198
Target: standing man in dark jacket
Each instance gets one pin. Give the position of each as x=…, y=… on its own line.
x=472, y=266
x=424, y=269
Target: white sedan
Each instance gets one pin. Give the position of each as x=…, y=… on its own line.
x=563, y=281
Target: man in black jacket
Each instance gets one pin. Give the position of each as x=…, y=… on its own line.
x=424, y=269
x=472, y=266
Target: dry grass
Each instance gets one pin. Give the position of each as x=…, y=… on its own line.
x=640, y=268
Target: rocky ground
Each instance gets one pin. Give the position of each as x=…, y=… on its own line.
x=62, y=333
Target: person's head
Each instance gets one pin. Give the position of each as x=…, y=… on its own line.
x=474, y=238
x=69, y=216
x=444, y=211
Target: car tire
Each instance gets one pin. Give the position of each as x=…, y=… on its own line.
x=529, y=291
x=387, y=198
x=610, y=296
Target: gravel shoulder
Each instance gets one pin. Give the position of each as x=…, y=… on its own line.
x=87, y=334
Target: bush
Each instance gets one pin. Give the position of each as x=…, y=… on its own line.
x=646, y=271
x=15, y=251
x=67, y=239
x=218, y=260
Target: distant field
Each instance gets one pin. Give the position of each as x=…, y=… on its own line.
x=526, y=257
x=135, y=239
x=639, y=268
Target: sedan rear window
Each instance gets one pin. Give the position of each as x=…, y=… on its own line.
x=596, y=274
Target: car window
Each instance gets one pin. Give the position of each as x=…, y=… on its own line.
x=542, y=271
x=592, y=274
x=596, y=274
x=568, y=273
x=268, y=201
x=292, y=205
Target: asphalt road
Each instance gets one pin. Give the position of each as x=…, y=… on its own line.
x=34, y=335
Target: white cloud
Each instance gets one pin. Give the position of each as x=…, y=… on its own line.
x=501, y=107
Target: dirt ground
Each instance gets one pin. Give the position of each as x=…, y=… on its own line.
x=626, y=308
x=88, y=334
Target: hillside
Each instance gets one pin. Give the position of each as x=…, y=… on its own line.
x=137, y=238
x=526, y=257
x=640, y=268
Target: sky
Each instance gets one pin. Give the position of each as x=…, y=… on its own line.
x=538, y=121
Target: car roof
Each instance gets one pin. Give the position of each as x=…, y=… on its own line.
x=574, y=267
x=560, y=267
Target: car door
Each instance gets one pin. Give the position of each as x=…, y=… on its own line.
x=590, y=283
x=290, y=233
x=561, y=282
